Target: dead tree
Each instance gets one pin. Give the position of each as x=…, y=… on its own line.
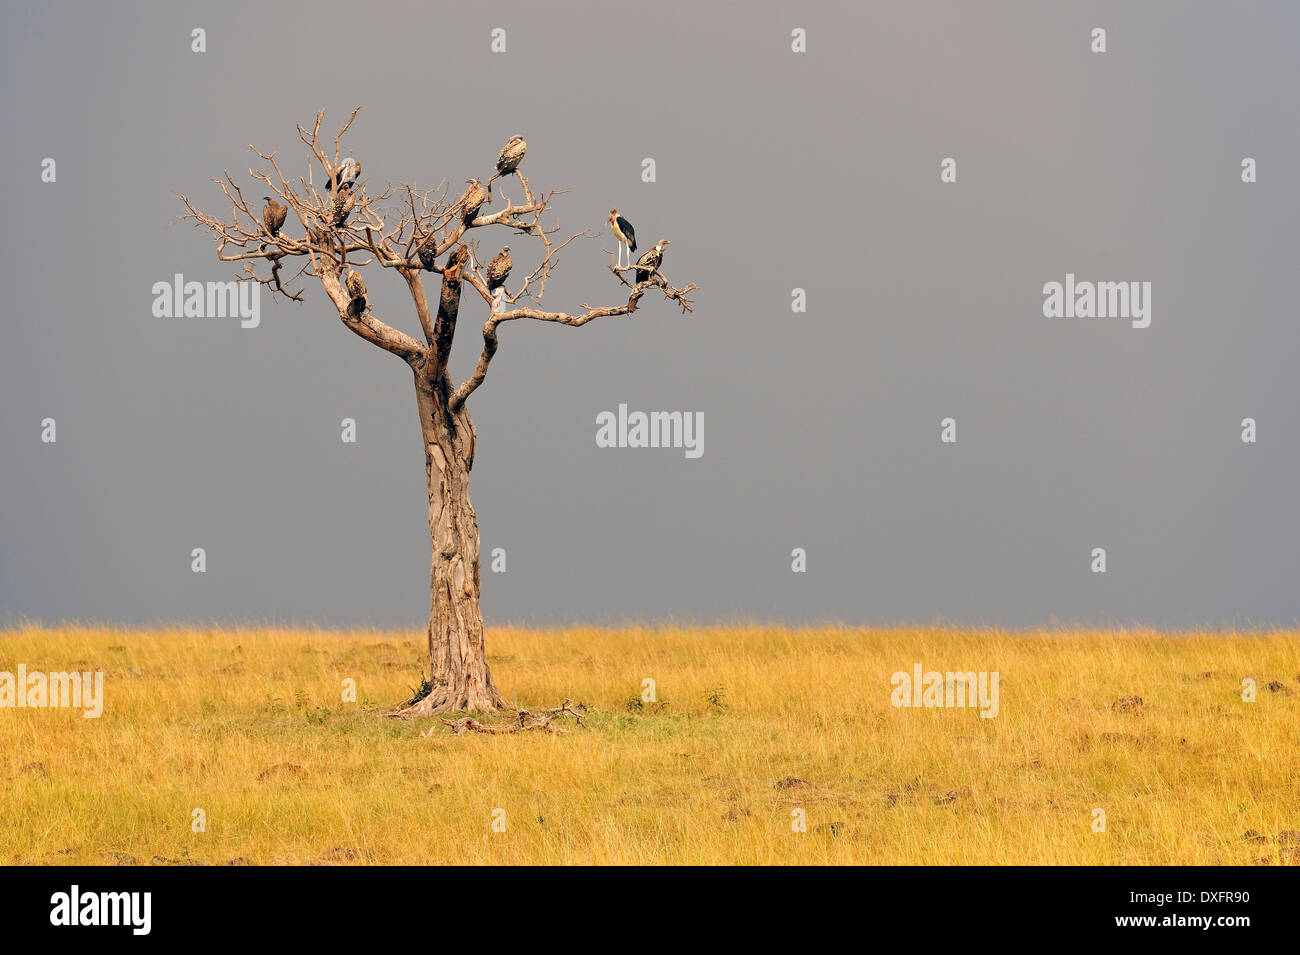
x=409, y=230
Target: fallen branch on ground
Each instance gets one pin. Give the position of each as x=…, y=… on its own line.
x=525, y=721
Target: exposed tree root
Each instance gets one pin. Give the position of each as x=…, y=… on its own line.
x=525, y=721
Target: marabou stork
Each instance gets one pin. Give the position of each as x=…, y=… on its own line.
x=624, y=233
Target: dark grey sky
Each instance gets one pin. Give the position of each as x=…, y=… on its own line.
x=775, y=170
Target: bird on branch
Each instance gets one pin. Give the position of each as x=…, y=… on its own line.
x=346, y=175
x=651, y=260
x=344, y=200
x=428, y=252
x=624, y=233
x=512, y=154
x=357, y=291
x=472, y=200
x=499, y=268
x=273, y=216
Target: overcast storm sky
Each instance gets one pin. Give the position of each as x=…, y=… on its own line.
x=775, y=170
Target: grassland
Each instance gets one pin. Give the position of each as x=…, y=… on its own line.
x=750, y=724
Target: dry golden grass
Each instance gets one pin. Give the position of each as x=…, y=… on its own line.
x=249, y=726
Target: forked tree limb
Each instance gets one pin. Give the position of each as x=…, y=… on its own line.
x=491, y=343
x=364, y=324
x=416, y=285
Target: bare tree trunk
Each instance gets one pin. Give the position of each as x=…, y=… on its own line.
x=458, y=668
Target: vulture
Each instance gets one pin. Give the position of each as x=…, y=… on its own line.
x=341, y=208
x=347, y=175
x=624, y=233
x=428, y=252
x=472, y=200
x=273, y=216
x=512, y=154
x=499, y=268
x=651, y=260
x=357, y=290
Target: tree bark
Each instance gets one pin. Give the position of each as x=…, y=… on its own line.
x=458, y=668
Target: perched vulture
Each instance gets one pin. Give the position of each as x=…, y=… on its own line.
x=346, y=175
x=428, y=252
x=273, y=216
x=651, y=260
x=624, y=233
x=512, y=154
x=499, y=268
x=341, y=208
x=357, y=290
x=472, y=200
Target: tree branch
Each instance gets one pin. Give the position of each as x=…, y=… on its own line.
x=496, y=317
x=525, y=721
x=444, y=331
x=367, y=326
x=391, y=237
x=416, y=285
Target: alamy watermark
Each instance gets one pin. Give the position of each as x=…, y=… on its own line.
x=1082, y=299
x=939, y=690
x=182, y=299
x=74, y=907
x=655, y=429
x=84, y=690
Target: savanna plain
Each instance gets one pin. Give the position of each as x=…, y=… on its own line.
x=748, y=726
